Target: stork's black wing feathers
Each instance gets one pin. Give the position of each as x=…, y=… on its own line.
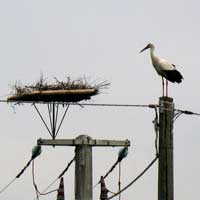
x=173, y=76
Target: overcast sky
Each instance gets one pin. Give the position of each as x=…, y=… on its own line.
x=100, y=40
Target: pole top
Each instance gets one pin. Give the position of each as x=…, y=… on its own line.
x=164, y=98
x=84, y=137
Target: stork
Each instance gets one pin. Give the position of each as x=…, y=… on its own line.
x=166, y=70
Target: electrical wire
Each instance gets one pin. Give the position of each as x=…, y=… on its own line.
x=187, y=112
x=5, y=187
x=156, y=129
x=43, y=192
x=65, y=170
x=55, y=180
x=110, y=170
x=134, y=180
x=119, y=181
x=82, y=104
x=38, y=193
x=33, y=177
x=119, y=105
x=177, y=115
x=36, y=151
x=18, y=175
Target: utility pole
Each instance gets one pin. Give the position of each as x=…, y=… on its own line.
x=165, y=163
x=83, y=169
x=83, y=160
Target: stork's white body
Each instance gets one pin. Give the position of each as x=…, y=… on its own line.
x=164, y=68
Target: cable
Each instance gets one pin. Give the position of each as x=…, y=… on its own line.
x=177, y=115
x=187, y=112
x=119, y=181
x=111, y=169
x=156, y=129
x=119, y=105
x=43, y=192
x=38, y=193
x=121, y=155
x=5, y=187
x=33, y=177
x=83, y=104
x=54, y=181
x=18, y=175
x=142, y=173
x=36, y=151
x=65, y=170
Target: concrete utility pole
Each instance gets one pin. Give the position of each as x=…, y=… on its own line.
x=83, y=170
x=83, y=160
x=165, y=164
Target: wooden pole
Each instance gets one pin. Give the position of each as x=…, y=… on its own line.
x=165, y=164
x=83, y=170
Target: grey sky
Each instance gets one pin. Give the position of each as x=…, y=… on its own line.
x=100, y=40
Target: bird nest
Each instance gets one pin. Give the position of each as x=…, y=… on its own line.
x=59, y=91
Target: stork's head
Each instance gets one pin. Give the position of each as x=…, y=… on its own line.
x=151, y=46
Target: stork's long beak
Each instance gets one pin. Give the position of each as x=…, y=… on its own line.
x=144, y=48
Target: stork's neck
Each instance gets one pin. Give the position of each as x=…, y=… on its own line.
x=152, y=52
x=154, y=59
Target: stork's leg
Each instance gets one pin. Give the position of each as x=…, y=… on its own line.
x=166, y=87
x=163, y=85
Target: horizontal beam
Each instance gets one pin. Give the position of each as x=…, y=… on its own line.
x=78, y=142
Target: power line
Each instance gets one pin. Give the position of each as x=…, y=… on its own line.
x=38, y=193
x=119, y=105
x=81, y=104
x=187, y=112
x=142, y=173
x=155, y=122
x=55, y=180
x=36, y=151
x=5, y=187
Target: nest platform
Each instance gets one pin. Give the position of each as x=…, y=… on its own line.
x=67, y=91
x=70, y=95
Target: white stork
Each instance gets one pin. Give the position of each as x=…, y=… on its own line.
x=164, y=69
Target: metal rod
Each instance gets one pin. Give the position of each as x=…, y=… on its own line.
x=62, y=119
x=42, y=119
x=49, y=111
x=56, y=115
x=53, y=120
